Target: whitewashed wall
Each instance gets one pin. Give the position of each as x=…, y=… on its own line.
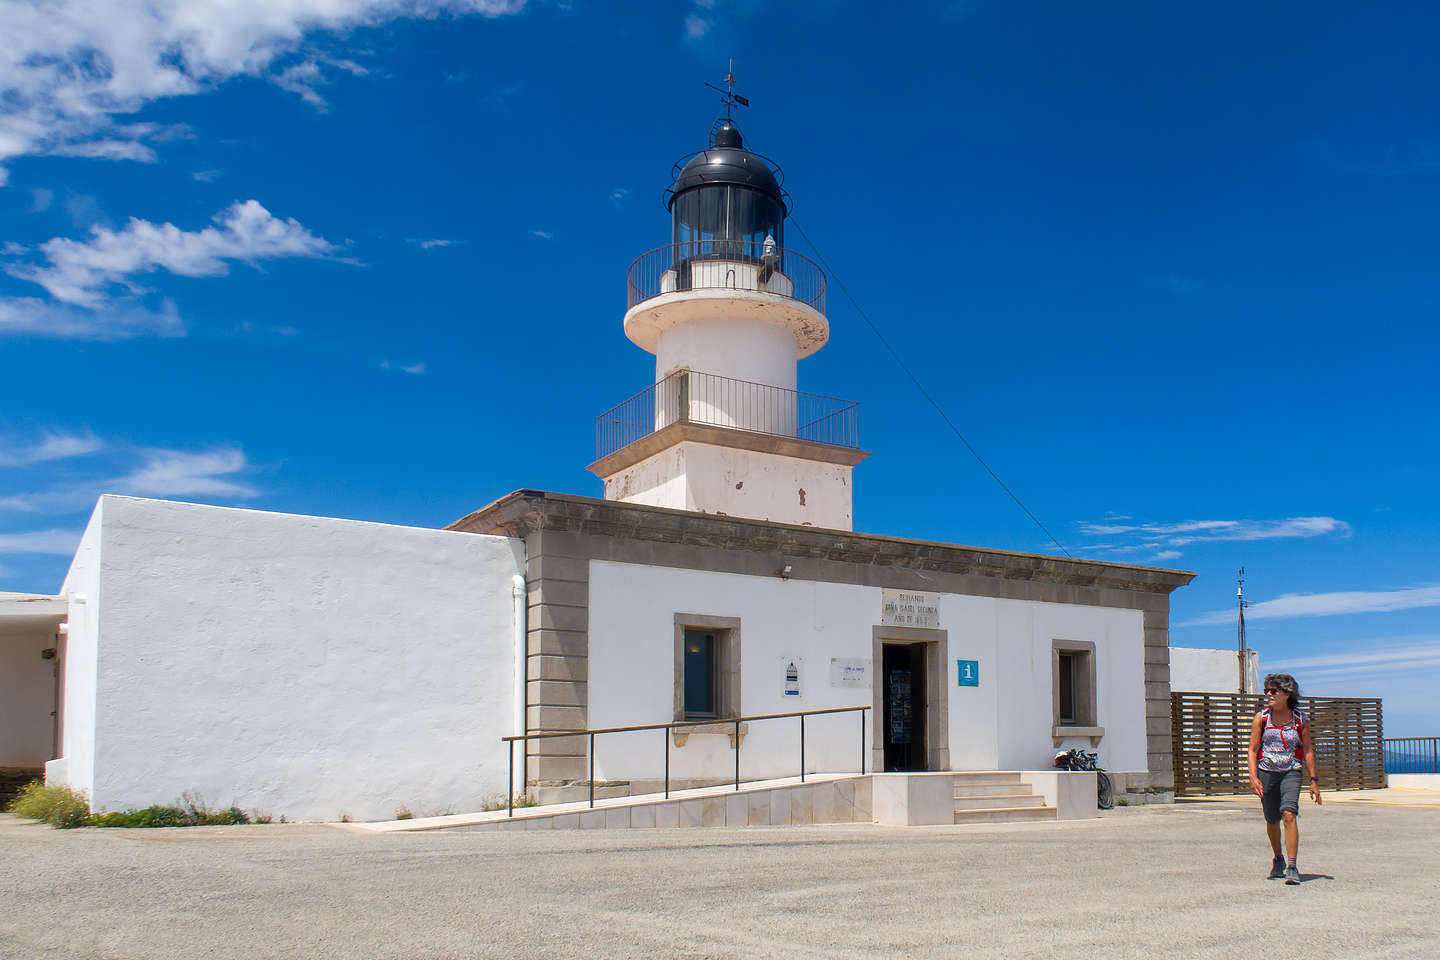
x=83, y=590
x=1003, y=723
x=27, y=695
x=297, y=666
x=1206, y=670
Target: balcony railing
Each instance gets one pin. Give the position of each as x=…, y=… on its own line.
x=688, y=396
x=727, y=265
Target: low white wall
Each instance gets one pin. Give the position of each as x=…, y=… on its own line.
x=1004, y=723
x=299, y=666
x=1204, y=670
x=27, y=695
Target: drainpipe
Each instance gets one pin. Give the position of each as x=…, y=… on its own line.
x=518, y=585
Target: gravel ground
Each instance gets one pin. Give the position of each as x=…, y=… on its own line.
x=1181, y=881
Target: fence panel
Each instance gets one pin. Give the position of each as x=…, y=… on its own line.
x=1211, y=734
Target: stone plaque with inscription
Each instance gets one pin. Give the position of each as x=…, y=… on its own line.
x=910, y=608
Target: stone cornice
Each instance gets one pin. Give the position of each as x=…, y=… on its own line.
x=531, y=511
x=676, y=433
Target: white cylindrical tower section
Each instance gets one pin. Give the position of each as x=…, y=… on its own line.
x=728, y=372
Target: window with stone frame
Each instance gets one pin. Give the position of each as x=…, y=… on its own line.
x=1073, y=692
x=707, y=667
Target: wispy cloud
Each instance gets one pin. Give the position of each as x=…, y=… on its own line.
x=33, y=317
x=418, y=369
x=122, y=468
x=58, y=542
x=1327, y=605
x=1366, y=658
x=81, y=272
x=542, y=234
x=70, y=68
x=52, y=446
x=205, y=176
x=434, y=244
x=618, y=196
x=1117, y=537
x=40, y=199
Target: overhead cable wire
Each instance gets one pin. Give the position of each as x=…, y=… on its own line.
x=921, y=387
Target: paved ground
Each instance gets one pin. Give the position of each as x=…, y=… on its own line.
x=1181, y=881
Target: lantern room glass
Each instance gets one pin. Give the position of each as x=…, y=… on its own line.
x=725, y=221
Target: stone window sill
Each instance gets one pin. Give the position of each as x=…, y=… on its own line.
x=1063, y=731
x=681, y=734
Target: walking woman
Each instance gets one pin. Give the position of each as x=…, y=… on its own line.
x=1279, y=742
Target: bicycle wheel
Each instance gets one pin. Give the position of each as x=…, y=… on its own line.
x=1104, y=796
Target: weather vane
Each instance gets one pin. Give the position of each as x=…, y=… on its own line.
x=728, y=96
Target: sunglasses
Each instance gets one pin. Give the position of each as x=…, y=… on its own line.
x=1270, y=690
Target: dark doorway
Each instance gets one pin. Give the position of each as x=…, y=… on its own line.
x=903, y=684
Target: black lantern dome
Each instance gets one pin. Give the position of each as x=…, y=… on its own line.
x=727, y=195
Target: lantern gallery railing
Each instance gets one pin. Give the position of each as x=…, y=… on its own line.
x=667, y=727
x=688, y=396
x=754, y=266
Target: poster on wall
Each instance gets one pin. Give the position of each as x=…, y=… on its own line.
x=849, y=673
x=909, y=608
x=790, y=670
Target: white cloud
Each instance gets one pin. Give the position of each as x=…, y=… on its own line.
x=1327, y=605
x=542, y=234
x=172, y=473
x=1364, y=660
x=40, y=199
x=59, y=542
x=618, y=196
x=697, y=26
x=33, y=317
x=52, y=446
x=432, y=244
x=418, y=369
x=205, y=176
x=68, y=68
x=81, y=272
x=1166, y=538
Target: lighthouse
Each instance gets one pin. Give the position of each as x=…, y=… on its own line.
x=728, y=312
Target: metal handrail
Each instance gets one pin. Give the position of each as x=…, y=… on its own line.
x=692, y=396
x=1411, y=754
x=677, y=267
x=667, y=727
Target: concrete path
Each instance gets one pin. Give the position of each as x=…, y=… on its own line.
x=1140, y=882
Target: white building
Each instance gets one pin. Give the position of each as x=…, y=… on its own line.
x=311, y=667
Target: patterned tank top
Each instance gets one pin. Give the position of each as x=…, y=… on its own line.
x=1280, y=747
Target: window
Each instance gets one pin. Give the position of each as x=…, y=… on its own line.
x=699, y=670
x=1066, y=680
x=1072, y=674
x=707, y=666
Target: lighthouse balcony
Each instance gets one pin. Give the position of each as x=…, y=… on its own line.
x=725, y=410
x=684, y=281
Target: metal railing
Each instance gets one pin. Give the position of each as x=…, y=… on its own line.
x=688, y=396
x=667, y=727
x=726, y=265
x=1412, y=754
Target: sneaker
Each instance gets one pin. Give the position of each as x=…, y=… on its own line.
x=1277, y=869
x=1292, y=876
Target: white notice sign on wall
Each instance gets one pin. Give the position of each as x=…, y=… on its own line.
x=790, y=670
x=910, y=608
x=849, y=673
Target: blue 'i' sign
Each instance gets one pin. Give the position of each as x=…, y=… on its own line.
x=968, y=672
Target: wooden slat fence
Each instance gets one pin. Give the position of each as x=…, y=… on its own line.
x=1212, y=734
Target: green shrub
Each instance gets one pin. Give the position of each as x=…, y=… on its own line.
x=56, y=804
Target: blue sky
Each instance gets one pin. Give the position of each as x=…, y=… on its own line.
x=1170, y=271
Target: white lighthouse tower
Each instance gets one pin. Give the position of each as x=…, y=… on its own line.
x=728, y=312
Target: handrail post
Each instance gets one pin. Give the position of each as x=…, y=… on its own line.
x=862, y=741
x=802, y=748
x=737, y=754
x=592, y=770
x=666, y=732
x=510, y=783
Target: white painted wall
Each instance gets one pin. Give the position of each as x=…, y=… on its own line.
x=27, y=695
x=742, y=348
x=297, y=666
x=738, y=483
x=1212, y=671
x=1005, y=723
x=84, y=593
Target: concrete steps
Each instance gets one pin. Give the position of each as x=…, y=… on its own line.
x=998, y=798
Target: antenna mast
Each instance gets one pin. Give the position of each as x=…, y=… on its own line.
x=1241, y=604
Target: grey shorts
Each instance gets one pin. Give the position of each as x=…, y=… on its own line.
x=1279, y=791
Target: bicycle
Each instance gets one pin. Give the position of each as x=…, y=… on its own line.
x=1081, y=759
